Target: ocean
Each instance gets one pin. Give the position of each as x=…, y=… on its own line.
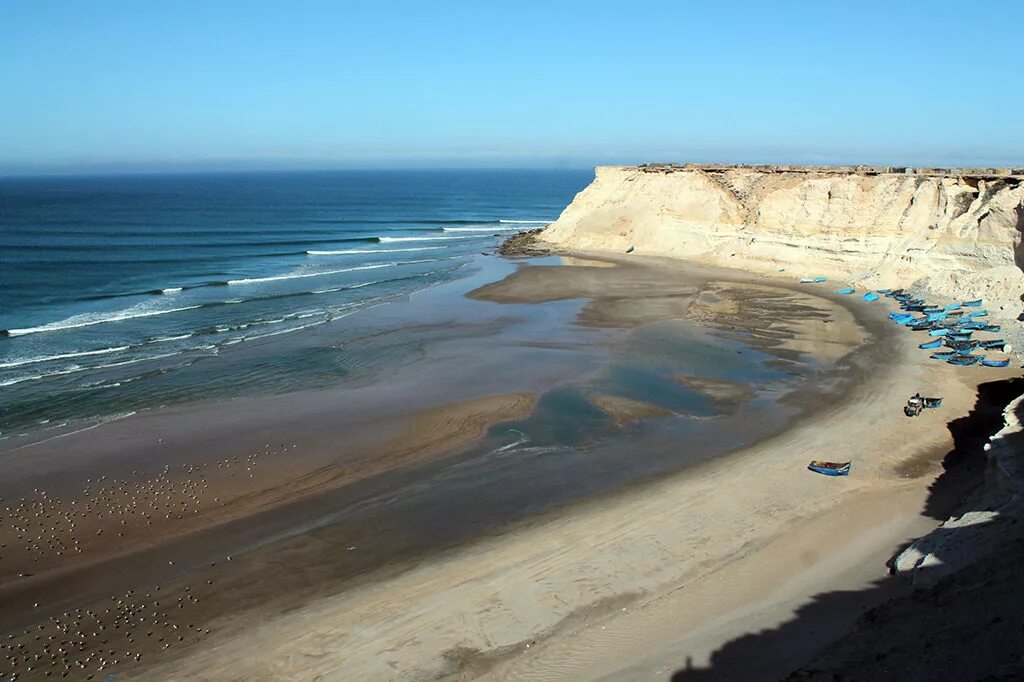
x=124, y=293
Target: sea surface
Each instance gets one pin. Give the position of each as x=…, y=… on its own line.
x=122, y=293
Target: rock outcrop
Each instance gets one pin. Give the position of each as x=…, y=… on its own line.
x=964, y=619
x=981, y=530
x=947, y=231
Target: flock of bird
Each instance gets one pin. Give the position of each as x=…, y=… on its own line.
x=86, y=642
x=46, y=532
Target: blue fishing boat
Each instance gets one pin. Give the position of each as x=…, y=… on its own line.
x=830, y=468
x=820, y=279
x=931, y=344
x=884, y=292
x=846, y=291
x=941, y=315
x=995, y=363
x=944, y=355
x=963, y=360
x=959, y=336
x=989, y=328
x=951, y=307
x=979, y=313
x=871, y=296
x=993, y=343
x=972, y=304
x=938, y=332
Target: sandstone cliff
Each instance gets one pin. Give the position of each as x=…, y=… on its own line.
x=952, y=233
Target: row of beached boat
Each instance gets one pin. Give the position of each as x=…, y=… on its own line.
x=952, y=326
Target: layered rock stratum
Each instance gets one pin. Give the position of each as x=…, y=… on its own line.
x=957, y=233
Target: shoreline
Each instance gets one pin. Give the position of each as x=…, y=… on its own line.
x=486, y=557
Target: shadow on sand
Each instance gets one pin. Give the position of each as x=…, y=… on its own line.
x=898, y=638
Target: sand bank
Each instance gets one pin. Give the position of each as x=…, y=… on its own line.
x=625, y=410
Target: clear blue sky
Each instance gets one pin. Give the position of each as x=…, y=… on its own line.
x=97, y=85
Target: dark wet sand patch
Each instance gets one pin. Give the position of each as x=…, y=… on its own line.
x=726, y=395
x=625, y=410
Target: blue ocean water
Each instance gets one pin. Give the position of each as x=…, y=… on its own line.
x=111, y=287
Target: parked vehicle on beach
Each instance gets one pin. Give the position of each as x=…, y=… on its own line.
x=917, y=403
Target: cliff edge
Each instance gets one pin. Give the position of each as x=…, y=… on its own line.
x=959, y=234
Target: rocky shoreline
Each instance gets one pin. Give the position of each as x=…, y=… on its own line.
x=525, y=243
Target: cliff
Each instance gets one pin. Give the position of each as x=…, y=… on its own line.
x=955, y=233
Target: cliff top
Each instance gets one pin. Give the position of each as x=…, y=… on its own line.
x=862, y=170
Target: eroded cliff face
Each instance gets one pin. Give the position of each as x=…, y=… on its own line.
x=954, y=235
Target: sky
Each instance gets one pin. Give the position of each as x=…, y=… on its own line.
x=104, y=86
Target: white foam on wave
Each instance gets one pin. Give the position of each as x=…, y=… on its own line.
x=170, y=290
x=142, y=359
x=289, y=330
x=352, y=252
x=303, y=275
x=388, y=240
x=527, y=222
x=61, y=356
x=90, y=319
x=346, y=288
x=17, y=380
x=483, y=228
x=162, y=339
x=102, y=421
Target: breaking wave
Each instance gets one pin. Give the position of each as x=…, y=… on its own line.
x=90, y=319
x=388, y=240
x=347, y=252
x=62, y=356
x=491, y=229
x=304, y=275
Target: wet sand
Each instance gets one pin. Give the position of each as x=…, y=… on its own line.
x=360, y=533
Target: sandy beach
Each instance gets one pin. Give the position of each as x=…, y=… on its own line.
x=403, y=530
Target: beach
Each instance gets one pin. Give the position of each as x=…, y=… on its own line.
x=411, y=528
x=515, y=343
